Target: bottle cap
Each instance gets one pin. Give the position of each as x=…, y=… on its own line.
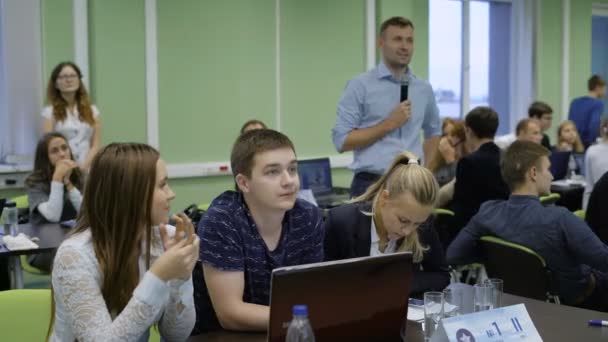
x=300, y=310
x=10, y=205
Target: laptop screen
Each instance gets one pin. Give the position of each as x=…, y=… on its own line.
x=559, y=164
x=315, y=174
x=360, y=299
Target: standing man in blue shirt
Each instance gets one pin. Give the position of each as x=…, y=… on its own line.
x=371, y=120
x=575, y=255
x=587, y=111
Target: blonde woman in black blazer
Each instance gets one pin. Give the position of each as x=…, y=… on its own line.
x=392, y=216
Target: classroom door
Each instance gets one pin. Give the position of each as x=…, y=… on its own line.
x=599, y=48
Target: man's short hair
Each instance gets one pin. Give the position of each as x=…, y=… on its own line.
x=483, y=121
x=395, y=21
x=250, y=143
x=538, y=108
x=518, y=159
x=522, y=126
x=594, y=82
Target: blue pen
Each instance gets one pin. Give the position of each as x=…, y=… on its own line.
x=597, y=323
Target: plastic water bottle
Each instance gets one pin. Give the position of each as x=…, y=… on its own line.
x=571, y=168
x=299, y=329
x=10, y=218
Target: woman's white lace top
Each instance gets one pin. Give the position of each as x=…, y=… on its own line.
x=81, y=313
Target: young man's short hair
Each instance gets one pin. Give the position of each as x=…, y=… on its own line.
x=518, y=159
x=483, y=121
x=522, y=126
x=594, y=82
x=395, y=21
x=538, y=109
x=250, y=143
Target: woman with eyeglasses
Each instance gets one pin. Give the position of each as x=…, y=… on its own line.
x=71, y=113
x=393, y=215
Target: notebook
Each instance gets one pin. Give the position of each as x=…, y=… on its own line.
x=359, y=299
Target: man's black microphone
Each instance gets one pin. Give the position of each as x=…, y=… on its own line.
x=404, y=85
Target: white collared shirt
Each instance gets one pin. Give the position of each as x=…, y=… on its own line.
x=374, y=248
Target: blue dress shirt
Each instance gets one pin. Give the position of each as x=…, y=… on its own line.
x=586, y=112
x=369, y=99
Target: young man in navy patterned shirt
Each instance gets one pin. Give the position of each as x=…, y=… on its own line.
x=247, y=233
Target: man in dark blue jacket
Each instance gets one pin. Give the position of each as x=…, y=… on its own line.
x=478, y=176
x=577, y=257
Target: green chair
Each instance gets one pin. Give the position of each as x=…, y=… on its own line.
x=580, y=214
x=154, y=335
x=442, y=222
x=23, y=203
x=551, y=198
x=523, y=271
x=441, y=211
x=204, y=206
x=25, y=314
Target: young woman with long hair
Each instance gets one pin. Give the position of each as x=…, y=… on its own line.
x=53, y=188
x=123, y=270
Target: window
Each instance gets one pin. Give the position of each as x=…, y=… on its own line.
x=20, y=79
x=444, y=68
x=481, y=76
x=599, y=45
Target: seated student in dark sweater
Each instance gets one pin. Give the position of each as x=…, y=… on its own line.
x=247, y=233
x=478, y=176
x=53, y=188
x=392, y=216
x=578, y=259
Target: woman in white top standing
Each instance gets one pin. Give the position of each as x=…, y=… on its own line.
x=123, y=270
x=71, y=113
x=596, y=162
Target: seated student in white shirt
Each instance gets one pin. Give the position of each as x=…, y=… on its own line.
x=53, y=188
x=123, y=270
x=596, y=162
x=392, y=216
x=526, y=129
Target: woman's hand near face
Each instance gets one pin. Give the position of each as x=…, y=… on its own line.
x=181, y=251
x=178, y=261
x=447, y=151
x=63, y=170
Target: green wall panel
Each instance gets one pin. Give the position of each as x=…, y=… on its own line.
x=322, y=47
x=117, y=67
x=57, y=34
x=216, y=63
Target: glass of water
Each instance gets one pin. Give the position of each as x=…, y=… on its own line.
x=497, y=293
x=452, y=302
x=483, y=297
x=433, y=312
